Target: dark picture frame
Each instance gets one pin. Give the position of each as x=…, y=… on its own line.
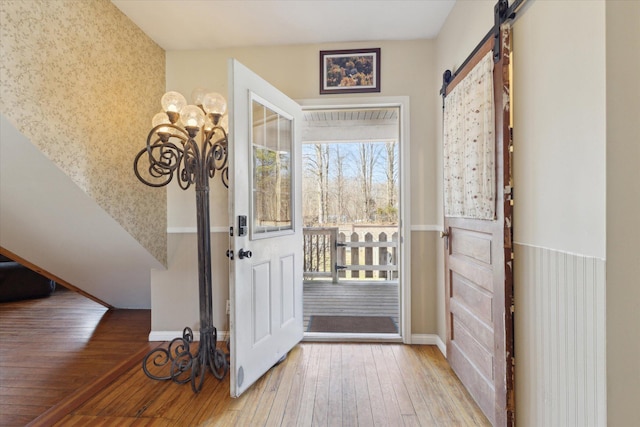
x=349, y=71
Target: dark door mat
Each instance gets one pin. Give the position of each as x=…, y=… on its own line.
x=352, y=324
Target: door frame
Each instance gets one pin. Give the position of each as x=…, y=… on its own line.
x=404, y=261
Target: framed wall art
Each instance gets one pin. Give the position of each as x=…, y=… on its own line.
x=349, y=71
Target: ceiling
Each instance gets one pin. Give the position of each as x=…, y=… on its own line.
x=214, y=24
x=352, y=114
x=351, y=125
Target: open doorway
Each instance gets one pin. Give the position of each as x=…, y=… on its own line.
x=351, y=214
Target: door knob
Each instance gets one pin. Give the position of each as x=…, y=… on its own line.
x=244, y=254
x=445, y=235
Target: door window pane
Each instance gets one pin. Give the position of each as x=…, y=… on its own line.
x=272, y=178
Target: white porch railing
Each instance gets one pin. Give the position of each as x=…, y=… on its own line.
x=332, y=254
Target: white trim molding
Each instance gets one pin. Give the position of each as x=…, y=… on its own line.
x=404, y=263
x=558, y=251
x=193, y=230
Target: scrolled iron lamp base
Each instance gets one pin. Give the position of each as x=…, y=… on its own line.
x=192, y=153
x=179, y=363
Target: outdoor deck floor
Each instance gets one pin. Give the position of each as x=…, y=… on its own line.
x=351, y=299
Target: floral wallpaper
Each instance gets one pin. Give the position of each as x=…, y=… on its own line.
x=82, y=82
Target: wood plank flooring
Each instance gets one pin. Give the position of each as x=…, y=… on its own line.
x=319, y=384
x=53, y=347
x=351, y=299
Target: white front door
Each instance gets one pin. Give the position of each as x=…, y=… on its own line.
x=265, y=280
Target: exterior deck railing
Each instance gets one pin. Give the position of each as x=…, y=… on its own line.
x=332, y=254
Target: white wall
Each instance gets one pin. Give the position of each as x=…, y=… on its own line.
x=407, y=70
x=48, y=220
x=559, y=107
x=174, y=291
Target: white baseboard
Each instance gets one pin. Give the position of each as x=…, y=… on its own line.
x=442, y=347
x=419, y=339
x=430, y=339
x=169, y=335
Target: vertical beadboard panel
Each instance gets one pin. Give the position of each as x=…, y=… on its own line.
x=560, y=338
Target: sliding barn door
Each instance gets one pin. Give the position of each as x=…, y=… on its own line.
x=478, y=250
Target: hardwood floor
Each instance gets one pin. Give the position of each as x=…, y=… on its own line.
x=53, y=349
x=319, y=384
x=325, y=384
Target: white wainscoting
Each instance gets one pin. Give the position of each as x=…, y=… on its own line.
x=560, y=338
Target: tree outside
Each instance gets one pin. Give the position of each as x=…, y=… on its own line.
x=350, y=183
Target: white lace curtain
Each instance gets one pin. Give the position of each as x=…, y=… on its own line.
x=469, y=145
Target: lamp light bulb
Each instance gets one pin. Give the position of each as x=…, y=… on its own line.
x=173, y=102
x=161, y=119
x=214, y=103
x=198, y=94
x=192, y=116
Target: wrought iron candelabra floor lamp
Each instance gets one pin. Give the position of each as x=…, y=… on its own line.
x=189, y=142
